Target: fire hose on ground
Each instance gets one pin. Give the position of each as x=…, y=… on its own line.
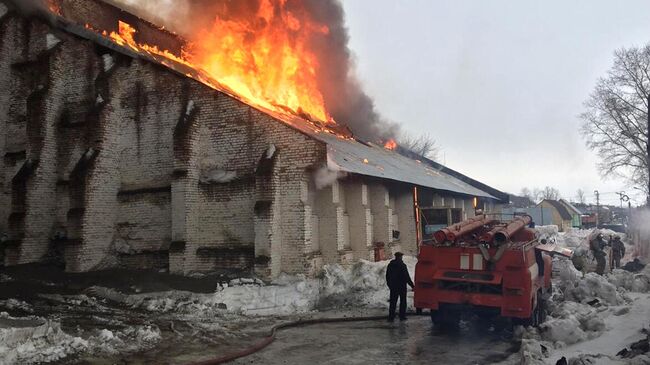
x=271, y=337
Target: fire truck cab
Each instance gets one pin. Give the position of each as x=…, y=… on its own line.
x=487, y=267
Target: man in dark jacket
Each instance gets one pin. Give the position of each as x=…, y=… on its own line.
x=618, y=251
x=596, y=245
x=397, y=276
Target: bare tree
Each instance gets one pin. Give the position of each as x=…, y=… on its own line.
x=616, y=118
x=524, y=200
x=424, y=145
x=580, y=196
x=549, y=193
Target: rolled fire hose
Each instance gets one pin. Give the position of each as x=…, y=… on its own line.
x=497, y=255
x=271, y=337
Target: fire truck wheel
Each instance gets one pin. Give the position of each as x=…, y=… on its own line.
x=446, y=319
x=535, y=316
x=418, y=311
x=541, y=305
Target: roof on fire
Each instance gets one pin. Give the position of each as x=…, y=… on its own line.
x=348, y=155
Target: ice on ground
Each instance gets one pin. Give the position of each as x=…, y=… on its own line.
x=129, y=340
x=33, y=340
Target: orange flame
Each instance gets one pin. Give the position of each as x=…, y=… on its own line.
x=269, y=65
x=54, y=6
x=265, y=59
x=390, y=144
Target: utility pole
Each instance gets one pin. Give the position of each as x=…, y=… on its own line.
x=648, y=154
x=597, y=208
x=621, y=194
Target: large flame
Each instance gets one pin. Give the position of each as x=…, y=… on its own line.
x=265, y=58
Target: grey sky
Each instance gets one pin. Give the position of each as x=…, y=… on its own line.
x=498, y=83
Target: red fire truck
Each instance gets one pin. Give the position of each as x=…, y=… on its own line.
x=484, y=266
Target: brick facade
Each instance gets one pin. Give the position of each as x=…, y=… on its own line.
x=110, y=160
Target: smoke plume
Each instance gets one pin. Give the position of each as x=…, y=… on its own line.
x=343, y=95
x=31, y=8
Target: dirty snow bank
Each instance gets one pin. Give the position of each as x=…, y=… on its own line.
x=31, y=340
x=362, y=284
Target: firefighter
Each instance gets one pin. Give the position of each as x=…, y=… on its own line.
x=596, y=245
x=618, y=251
x=397, y=277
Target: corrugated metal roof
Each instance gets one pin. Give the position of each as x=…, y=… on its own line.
x=370, y=160
x=570, y=207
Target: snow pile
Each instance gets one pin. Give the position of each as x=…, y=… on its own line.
x=572, y=322
x=634, y=282
x=593, y=286
x=361, y=285
x=572, y=285
x=574, y=238
x=547, y=232
x=30, y=340
x=34, y=340
x=286, y=295
x=131, y=339
x=364, y=284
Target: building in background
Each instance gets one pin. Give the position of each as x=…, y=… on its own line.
x=576, y=214
x=560, y=215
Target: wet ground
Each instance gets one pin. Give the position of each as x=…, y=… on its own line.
x=414, y=341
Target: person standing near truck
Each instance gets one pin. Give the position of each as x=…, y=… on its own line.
x=618, y=251
x=397, y=277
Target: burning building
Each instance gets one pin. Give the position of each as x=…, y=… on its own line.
x=118, y=151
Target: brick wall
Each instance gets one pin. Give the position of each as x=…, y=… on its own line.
x=128, y=164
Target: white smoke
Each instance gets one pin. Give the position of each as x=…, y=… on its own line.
x=640, y=231
x=36, y=8
x=325, y=177
x=174, y=14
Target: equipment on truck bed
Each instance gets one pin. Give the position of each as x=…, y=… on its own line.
x=486, y=266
